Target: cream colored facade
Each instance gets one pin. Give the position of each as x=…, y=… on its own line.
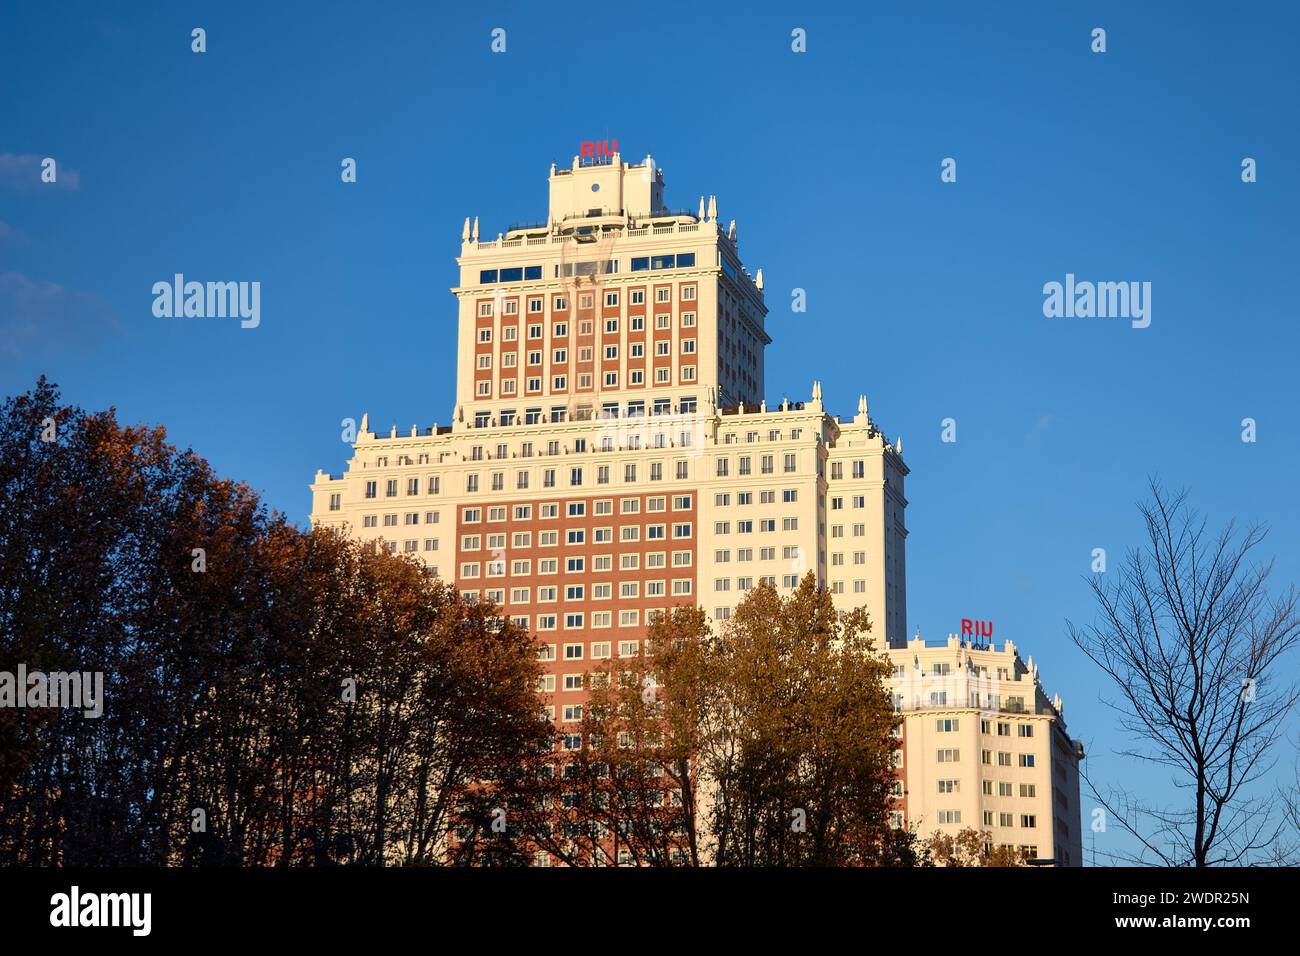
x=984, y=747
x=778, y=492
x=610, y=454
x=775, y=491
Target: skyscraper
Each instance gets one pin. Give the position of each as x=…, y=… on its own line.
x=610, y=451
x=611, y=455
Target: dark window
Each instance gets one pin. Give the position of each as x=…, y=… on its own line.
x=662, y=262
x=532, y=272
x=640, y=264
x=487, y=275
x=512, y=275
x=685, y=259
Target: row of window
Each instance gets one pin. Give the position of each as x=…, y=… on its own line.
x=635, y=408
x=577, y=621
x=522, y=568
x=663, y=375
x=586, y=300
x=746, y=526
x=586, y=353
x=550, y=476
x=773, y=434
x=1027, y=820
x=748, y=584
x=767, y=465
x=630, y=471
x=413, y=484
x=790, y=552
x=944, y=668
x=390, y=520
x=681, y=588
x=859, y=469
x=523, y=540
x=939, y=698
x=953, y=755
x=1004, y=788
x=578, y=650
x=576, y=509
x=837, y=502
x=629, y=561
x=682, y=260
x=626, y=533
x=1001, y=727
x=512, y=274
x=411, y=546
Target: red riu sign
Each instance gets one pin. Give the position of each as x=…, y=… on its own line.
x=603, y=147
x=971, y=628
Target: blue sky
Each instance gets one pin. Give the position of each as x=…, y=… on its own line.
x=925, y=295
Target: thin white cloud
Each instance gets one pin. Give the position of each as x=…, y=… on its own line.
x=11, y=234
x=23, y=171
x=35, y=313
x=1041, y=426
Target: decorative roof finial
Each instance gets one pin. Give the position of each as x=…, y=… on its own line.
x=464, y=233
x=701, y=216
x=474, y=234
x=713, y=208
x=758, y=279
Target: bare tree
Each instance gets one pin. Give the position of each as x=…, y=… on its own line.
x=1197, y=647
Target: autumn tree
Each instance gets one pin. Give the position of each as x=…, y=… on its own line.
x=767, y=744
x=968, y=847
x=797, y=736
x=274, y=696
x=630, y=793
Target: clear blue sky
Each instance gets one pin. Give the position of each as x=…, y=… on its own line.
x=927, y=296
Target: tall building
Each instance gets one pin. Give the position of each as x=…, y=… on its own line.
x=984, y=748
x=610, y=452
